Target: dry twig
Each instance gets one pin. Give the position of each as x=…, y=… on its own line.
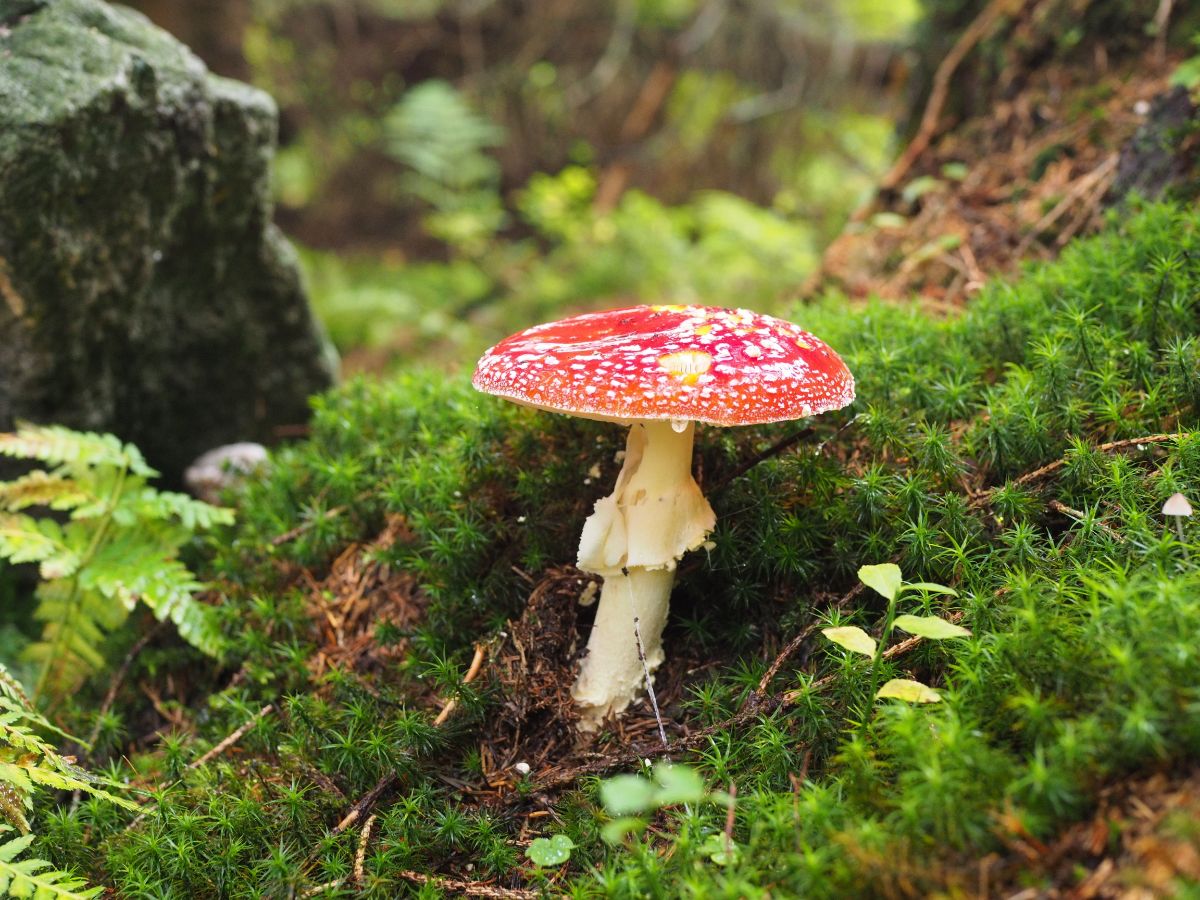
x=1079, y=515
x=212, y=754
x=985, y=498
x=974, y=33
x=360, y=875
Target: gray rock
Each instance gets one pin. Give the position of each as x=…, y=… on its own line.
x=143, y=288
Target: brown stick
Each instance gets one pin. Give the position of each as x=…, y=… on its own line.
x=472, y=672
x=1080, y=516
x=366, y=801
x=795, y=643
x=985, y=498
x=216, y=751
x=231, y=739
x=118, y=679
x=470, y=888
x=1079, y=190
x=360, y=875
x=974, y=33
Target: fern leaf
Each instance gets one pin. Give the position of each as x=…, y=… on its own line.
x=58, y=446
x=39, y=488
x=11, y=689
x=9, y=850
x=25, y=539
x=194, y=515
x=36, y=878
x=167, y=587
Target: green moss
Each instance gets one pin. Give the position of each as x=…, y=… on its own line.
x=1081, y=668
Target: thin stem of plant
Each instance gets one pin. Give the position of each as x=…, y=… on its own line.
x=884, y=636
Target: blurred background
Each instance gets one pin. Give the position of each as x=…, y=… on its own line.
x=452, y=170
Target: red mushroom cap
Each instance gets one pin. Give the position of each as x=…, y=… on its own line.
x=705, y=363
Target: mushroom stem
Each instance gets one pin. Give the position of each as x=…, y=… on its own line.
x=634, y=538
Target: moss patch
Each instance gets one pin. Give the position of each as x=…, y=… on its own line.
x=1020, y=452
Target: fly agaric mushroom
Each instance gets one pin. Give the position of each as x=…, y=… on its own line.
x=658, y=369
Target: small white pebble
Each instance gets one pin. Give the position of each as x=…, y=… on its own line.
x=1142, y=107
x=521, y=519
x=522, y=768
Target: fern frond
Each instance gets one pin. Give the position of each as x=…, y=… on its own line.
x=58, y=446
x=11, y=689
x=56, y=774
x=24, y=539
x=40, y=488
x=36, y=878
x=194, y=515
x=76, y=625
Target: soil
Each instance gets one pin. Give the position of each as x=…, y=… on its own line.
x=1019, y=182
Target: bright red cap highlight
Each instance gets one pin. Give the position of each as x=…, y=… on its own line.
x=705, y=363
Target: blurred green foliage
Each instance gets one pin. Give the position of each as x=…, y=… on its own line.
x=719, y=248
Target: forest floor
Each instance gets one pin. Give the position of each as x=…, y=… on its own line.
x=1015, y=185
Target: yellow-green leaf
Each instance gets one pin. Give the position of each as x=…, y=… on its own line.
x=852, y=638
x=912, y=691
x=884, y=578
x=931, y=627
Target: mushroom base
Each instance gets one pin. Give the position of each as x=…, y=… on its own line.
x=612, y=674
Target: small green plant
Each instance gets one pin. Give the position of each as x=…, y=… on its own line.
x=887, y=580
x=118, y=544
x=26, y=761
x=551, y=851
x=628, y=798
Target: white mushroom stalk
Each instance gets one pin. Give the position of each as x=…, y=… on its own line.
x=634, y=538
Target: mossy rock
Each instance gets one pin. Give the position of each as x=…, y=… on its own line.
x=145, y=290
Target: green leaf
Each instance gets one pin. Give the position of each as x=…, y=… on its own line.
x=931, y=627
x=884, y=578
x=11, y=849
x=39, y=488
x=617, y=830
x=852, y=638
x=625, y=794
x=919, y=187
x=955, y=171
x=930, y=588
x=888, y=220
x=720, y=849
x=1186, y=74
x=552, y=851
x=677, y=784
x=912, y=691
x=60, y=446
